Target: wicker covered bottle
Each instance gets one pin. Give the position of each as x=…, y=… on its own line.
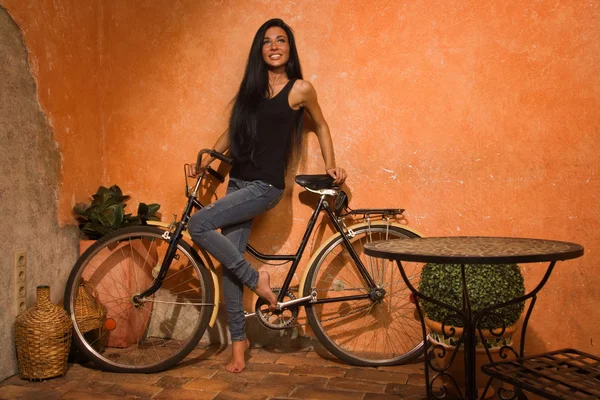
x=43, y=338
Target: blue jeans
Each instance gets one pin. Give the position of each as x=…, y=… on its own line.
x=233, y=214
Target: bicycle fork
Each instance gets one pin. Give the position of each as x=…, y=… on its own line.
x=171, y=251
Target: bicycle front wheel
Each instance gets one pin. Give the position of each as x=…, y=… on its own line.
x=364, y=331
x=121, y=334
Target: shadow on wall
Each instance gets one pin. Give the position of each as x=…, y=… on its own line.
x=29, y=181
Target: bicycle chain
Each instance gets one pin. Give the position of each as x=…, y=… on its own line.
x=331, y=318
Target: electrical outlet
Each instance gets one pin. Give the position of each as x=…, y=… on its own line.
x=20, y=267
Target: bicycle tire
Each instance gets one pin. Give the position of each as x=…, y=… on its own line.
x=365, y=332
x=158, y=333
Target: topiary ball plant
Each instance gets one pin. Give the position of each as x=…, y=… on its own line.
x=106, y=213
x=487, y=285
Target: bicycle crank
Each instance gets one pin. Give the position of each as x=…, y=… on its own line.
x=286, y=313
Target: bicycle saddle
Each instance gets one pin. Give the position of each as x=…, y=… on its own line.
x=315, y=182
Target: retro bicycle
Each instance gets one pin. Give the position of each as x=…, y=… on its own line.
x=141, y=298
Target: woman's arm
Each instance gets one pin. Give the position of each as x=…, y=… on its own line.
x=308, y=100
x=221, y=145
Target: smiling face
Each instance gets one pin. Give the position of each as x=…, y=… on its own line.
x=276, y=48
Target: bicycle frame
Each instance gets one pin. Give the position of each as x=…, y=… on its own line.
x=295, y=258
x=322, y=205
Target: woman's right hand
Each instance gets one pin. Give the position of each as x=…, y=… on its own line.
x=203, y=165
x=192, y=171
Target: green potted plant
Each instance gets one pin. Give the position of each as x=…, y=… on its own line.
x=106, y=213
x=487, y=285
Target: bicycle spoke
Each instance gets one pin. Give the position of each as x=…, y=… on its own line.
x=152, y=334
x=380, y=331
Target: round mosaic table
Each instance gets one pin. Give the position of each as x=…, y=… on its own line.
x=473, y=250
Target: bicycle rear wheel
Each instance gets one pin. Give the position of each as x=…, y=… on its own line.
x=122, y=335
x=364, y=332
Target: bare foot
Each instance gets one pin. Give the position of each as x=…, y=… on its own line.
x=263, y=289
x=238, y=357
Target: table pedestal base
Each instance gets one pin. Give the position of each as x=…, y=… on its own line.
x=465, y=386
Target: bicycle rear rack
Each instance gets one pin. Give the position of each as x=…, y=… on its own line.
x=366, y=212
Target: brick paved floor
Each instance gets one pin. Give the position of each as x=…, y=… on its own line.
x=271, y=373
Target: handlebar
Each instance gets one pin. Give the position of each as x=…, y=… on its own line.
x=211, y=171
x=217, y=175
x=214, y=154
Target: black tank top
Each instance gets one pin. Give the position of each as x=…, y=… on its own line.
x=275, y=121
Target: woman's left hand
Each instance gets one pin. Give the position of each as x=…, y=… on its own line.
x=338, y=173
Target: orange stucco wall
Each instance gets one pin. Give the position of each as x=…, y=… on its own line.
x=478, y=118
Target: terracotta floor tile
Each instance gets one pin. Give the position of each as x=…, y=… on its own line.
x=171, y=382
x=136, y=390
x=324, y=394
x=416, y=380
x=355, y=385
x=370, y=374
x=184, y=394
x=187, y=372
x=264, y=357
x=214, y=385
x=199, y=353
x=79, y=395
x=15, y=381
x=321, y=352
x=271, y=368
x=209, y=364
x=115, y=377
x=416, y=367
x=86, y=386
x=274, y=389
x=45, y=385
x=243, y=377
x=284, y=398
x=327, y=372
x=297, y=380
x=380, y=396
x=405, y=390
x=295, y=361
x=17, y=392
x=84, y=373
x=237, y=396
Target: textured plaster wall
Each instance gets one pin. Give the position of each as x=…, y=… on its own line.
x=29, y=179
x=63, y=40
x=479, y=118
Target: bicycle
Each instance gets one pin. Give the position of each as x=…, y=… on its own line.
x=152, y=295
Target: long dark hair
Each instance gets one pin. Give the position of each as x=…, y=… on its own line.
x=255, y=88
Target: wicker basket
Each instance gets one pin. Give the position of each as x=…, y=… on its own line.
x=43, y=338
x=89, y=313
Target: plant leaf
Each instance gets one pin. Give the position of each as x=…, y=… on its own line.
x=143, y=210
x=118, y=217
x=153, y=208
x=80, y=208
x=116, y=190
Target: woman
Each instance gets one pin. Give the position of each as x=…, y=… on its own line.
x=265, y=129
